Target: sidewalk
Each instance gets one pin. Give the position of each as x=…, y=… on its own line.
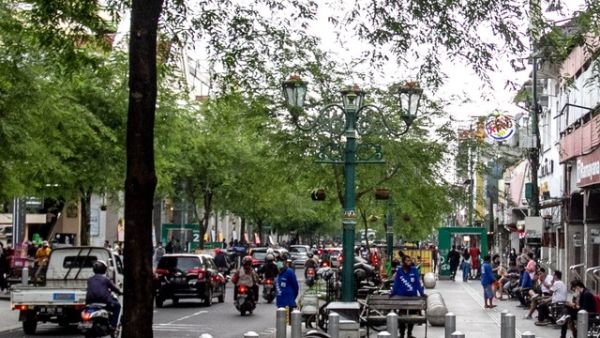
x=465, y=300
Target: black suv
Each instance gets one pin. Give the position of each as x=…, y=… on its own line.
x=188, y=276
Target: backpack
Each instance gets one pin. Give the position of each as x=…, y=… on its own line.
x=597, y=301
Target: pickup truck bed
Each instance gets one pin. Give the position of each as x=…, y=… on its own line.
x=46, y=296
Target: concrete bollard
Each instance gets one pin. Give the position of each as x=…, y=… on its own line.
x=251, y=334
x=510, y=325
x=25, y=276
x=392, y=324
x=296, y=324
x=280, y=325
x=333, y=327
x=503, y=323
x=582, y=324
x=527, y=334
x=450, y=324
x=436, y=309
x=206, y=335
x=383, y=334
x=457, y=334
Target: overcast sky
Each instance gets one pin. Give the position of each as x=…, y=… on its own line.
x=469, y=95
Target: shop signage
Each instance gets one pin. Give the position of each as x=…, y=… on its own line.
x=500, y=127
x=588, y=169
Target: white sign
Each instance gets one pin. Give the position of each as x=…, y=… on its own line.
x=94, y=222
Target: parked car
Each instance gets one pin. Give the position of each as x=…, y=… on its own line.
x=258, y=257
x=180, y=276
x=299, y=254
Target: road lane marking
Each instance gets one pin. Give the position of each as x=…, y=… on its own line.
x=186, y=317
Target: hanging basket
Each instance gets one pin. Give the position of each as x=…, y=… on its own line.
x=318, y=195
x=382, y=194
x=406, y=218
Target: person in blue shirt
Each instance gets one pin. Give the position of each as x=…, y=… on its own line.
x=407, y=282
x=487, y=278
x=286, y=287
x=525, y=284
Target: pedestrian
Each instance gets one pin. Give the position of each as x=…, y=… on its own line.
x=512, y=257
x=158, y=252
x=586, y=302
x=475, y=256
x=107, y=245
x=407, y=283
x=169, y=247
x=224, y=244
x=466, y=265
x=434, y=258
x=177, y=246
x=453, y=260
x=487, y=279
x=531, y=265
x=286, y=288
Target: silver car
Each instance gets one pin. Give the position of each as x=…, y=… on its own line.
x=299, y=254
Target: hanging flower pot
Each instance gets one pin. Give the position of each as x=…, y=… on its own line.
x=406, y=218
x=382, y=194
x=318, y=195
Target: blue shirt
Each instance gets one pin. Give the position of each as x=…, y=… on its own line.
x=526, y=281
x=487, y=276
x=286, y=288
x=407, y=283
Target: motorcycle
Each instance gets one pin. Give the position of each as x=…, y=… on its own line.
x=310, y=276
x=95, y=322
x=268, y=290
x=245, y=300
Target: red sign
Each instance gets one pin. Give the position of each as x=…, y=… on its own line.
x=588, y=169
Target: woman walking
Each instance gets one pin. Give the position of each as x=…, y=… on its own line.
x=466, y=265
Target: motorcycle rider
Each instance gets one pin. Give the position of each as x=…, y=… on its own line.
x=99, y=289
x=270, y=270
x=221, y=261
x=246, y=276
x=311, y=262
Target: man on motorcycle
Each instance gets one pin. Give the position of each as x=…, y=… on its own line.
x=246, y=276
x=311, y=262
x=221, y=261
x=99, y=289
x=270, y=270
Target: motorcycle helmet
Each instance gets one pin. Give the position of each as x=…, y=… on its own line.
x=218, y=251
x=99, y=267
x=270, y=257
x=310, y=255
x=247, y=260
x=270, y=251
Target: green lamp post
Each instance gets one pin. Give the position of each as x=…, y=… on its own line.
x=408, y=97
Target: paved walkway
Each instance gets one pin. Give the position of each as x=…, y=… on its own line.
x=465, y=300
x=9, y=319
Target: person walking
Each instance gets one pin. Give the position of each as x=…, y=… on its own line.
x=487, y=279
x=475, y=256
x=466, y=265
x=286, y=288
x=159, y=252
x=453, y=260
x=407, y=283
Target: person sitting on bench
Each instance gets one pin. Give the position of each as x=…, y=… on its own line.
x=407, y=282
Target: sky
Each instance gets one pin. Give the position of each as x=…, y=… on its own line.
x=469, y=95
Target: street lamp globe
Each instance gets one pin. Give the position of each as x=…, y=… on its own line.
x=294, y=90
x=410, y=97
x=353, y=98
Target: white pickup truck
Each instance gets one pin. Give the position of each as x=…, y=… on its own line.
x=62, y=297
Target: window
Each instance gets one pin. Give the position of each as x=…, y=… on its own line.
x=119, y=264
x=78, y=262
x=179, y=263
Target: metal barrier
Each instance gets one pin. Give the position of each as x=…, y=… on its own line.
x=596, y=275
x=573, y=269
x=589, y=276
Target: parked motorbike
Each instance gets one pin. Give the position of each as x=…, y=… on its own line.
x=310, y=276
x=95, y=322
x=268, y=291
x=245, y=300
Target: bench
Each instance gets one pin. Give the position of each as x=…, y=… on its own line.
x=379, y=305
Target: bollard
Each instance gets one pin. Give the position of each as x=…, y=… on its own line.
x=450, y=325
x=457, y=334
x=25, y=276
x=582, y=324
x=383, y=334
x=296, y=324
x=503, y=323
x=527, y=334
x=280, y=325
x=206, y=335
x=333, y=327
x=510, y=326
x=392, y=324
x=251, y=334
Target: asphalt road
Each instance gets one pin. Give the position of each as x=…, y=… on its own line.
x=191, y=319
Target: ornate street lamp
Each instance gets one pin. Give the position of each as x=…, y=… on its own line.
x=409, y=97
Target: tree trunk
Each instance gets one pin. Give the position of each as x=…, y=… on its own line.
x=259, y=225
x=243, y=230
x=207, y=200
x=85, y=201
x=140, y=181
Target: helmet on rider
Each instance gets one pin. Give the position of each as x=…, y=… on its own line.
x=99, y=267
x=218, y=251
x=310, y=255
x=247, y=261
x=270, y=257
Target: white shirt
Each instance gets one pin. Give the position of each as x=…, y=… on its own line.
x=548, y=280
x=559, y=290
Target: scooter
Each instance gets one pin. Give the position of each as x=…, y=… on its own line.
x=268, y=290
x=245, y=300
x=95, y=322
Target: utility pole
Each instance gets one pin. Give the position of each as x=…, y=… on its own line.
x=471, y=175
